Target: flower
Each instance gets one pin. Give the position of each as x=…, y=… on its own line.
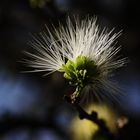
x=85, y=54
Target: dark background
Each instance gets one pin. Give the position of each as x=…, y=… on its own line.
x=36, y=101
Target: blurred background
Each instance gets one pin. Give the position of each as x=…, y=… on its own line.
x=32, y=106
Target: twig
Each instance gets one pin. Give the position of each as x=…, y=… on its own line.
x=92, y=117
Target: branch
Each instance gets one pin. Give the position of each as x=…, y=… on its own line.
x=92, y=117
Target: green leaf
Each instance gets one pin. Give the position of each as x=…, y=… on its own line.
x=80, y=62
x=67, y=76
x=70, y=65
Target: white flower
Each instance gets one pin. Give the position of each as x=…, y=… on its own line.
x=85, y=54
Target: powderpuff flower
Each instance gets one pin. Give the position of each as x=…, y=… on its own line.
x=86, y=55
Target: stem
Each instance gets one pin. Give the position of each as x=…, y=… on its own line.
x=92, y=117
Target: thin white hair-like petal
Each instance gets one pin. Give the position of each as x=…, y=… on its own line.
x=52, y=50
x=67, y=43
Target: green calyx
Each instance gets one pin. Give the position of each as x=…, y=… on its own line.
x=80, y=73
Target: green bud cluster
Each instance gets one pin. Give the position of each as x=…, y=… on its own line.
x=80, y=73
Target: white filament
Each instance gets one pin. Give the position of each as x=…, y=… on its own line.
x=67, y=43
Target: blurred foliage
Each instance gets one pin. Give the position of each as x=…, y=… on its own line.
x=38, y=3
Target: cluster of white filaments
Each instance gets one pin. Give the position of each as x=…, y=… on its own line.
x=84, y=38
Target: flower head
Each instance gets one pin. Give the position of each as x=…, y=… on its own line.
x=86, y=55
